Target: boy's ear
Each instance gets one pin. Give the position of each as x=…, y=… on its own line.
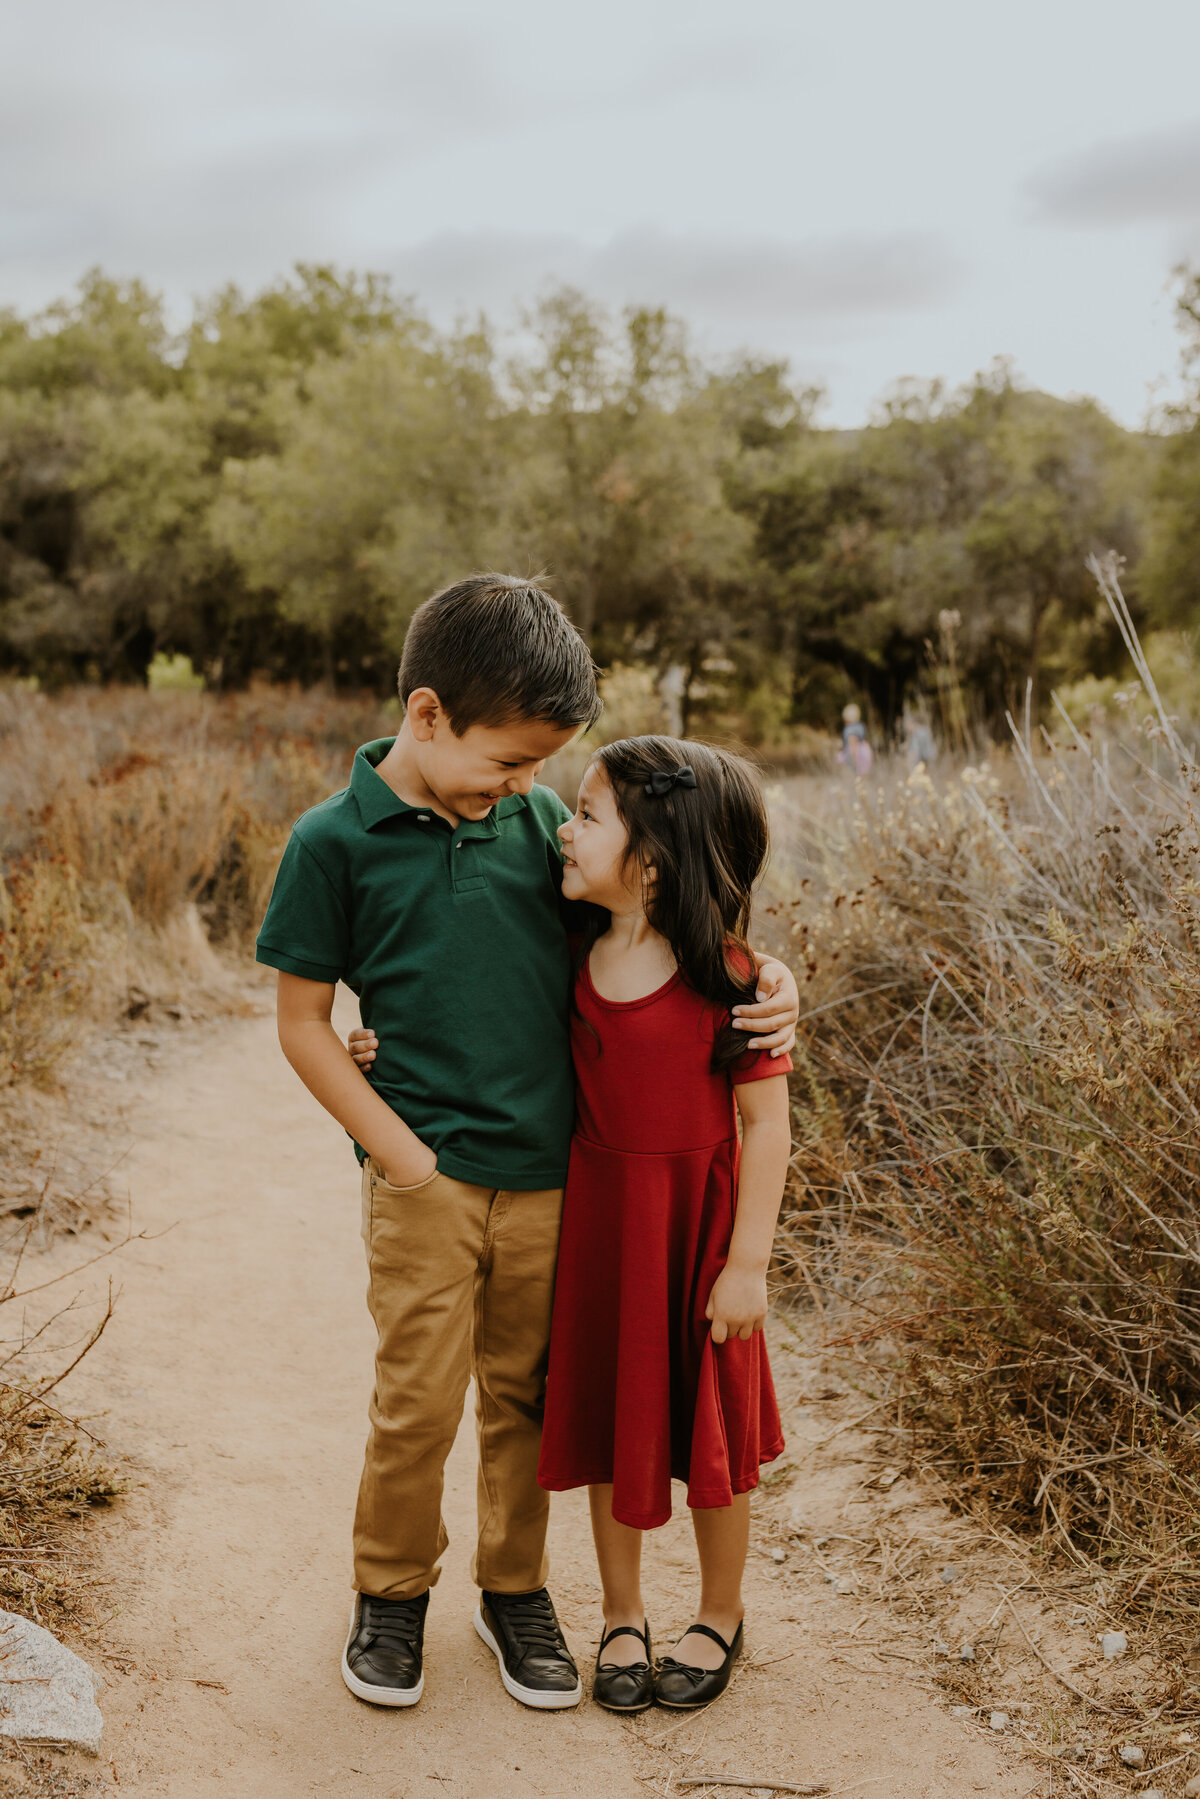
x=423, y=710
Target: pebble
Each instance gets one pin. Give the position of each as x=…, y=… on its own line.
x=962, y=1711
x=1114, y=1643
x=1132, y=1754
x=844, y=1585
x=966, y=1653
x=949, y=1573
x=1153, y=1793
x=941, y=1648
x=829, y=1579
x=778, y=1555
x=49, y=1692
x=1192, y=1789
x=999, y=1720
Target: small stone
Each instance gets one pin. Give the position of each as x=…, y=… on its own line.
x=1192, y=1789
x=778, y=1555
x=962, y=1711
x=949, y=1573
x=1153, y=1793
x=1132, y=1754
x=49, y=1693
x=844, y=1585
x=966, y=1653
x=1114, y=1643
x=999, y=1720
x=941, y=1648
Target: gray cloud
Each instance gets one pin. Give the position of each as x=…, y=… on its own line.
x=729, y=282
x=186, y=162
x=1123, y=182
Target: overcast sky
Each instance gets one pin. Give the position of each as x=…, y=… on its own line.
x=873, y=188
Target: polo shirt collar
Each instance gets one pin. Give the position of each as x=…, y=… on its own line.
x=376, y=801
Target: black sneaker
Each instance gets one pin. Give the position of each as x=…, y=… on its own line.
x=523, y=1634
x=381, y=1662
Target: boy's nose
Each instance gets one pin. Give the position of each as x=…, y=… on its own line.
x=523, y=783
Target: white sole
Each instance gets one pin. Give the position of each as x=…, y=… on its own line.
x=532, y=1696
x=393, y=1696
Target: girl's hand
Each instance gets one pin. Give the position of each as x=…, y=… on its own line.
x=737, y=1304
x=362, y=1045
x=773, y=1018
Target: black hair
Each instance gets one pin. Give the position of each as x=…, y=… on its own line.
x=707, y=846
x=496, y=649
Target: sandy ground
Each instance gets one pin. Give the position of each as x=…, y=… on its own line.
x=235, y=1377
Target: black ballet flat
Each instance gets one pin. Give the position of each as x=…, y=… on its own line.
x=687, y=1689
x=629, y=1689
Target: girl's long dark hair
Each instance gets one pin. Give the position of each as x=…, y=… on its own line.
x=707, y=846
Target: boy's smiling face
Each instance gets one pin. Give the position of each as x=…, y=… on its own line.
x=467, y=775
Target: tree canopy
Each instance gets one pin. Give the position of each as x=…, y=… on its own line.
x=272, y=490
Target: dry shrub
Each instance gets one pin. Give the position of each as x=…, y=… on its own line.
x=998, y=1174
x=135, y=826
x=52, y=1470
x=44, y=963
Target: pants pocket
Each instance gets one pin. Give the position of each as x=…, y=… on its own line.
x=377, y=1181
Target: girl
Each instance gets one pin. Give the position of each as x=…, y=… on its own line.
x=658, y=1368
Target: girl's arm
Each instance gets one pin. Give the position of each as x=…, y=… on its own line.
x=773, y=1017
x=737, y=1304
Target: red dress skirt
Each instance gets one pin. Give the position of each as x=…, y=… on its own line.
x=637, y=1393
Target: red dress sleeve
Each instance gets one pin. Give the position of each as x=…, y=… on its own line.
x=755, y=1064
x=758, y=1065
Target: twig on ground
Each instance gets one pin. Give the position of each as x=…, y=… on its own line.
x=764, y=1785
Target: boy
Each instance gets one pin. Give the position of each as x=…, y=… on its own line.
x=431, y=886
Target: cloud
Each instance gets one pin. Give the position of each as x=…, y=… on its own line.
x=1124, y=181
x=179, y=159
x=742, y=282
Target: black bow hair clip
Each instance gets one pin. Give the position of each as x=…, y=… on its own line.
x=665, y=781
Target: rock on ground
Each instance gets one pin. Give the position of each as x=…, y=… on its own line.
x=47, y=1694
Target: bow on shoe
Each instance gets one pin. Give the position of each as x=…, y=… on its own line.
x=664, y=781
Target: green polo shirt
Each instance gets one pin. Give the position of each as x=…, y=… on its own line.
x=453, y=942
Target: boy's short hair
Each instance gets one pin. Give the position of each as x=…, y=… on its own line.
x=495, y=648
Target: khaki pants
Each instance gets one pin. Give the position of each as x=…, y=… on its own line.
x=461, y=1284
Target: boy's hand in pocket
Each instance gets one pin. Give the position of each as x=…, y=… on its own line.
x=362, y=1045
x=737, y=1305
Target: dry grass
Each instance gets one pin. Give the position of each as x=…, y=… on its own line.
x=135, y=827
x=997, y=1185
x=52, y=1470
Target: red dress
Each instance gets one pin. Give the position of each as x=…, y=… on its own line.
x=637, y=1392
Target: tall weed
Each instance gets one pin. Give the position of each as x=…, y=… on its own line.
x=997, y=1183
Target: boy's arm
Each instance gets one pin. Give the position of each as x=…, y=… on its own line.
x=774, y=1015
x=306, y=1035
x=737, y=1304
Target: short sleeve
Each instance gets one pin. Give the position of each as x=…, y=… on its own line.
x=758, y=1065
x=306, y=930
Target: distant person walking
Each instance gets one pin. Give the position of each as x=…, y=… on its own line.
x=919, y=746
x=855, y=750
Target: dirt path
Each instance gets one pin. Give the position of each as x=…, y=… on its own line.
x=235, y=1374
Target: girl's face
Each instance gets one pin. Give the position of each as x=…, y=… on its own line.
x=594, y=843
